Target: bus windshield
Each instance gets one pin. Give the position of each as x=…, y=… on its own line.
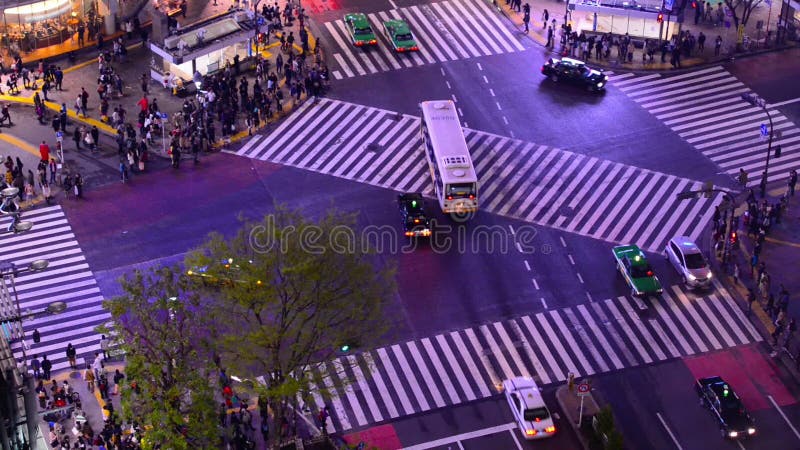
x=461, y=190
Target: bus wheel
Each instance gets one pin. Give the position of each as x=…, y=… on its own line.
x=462, y=217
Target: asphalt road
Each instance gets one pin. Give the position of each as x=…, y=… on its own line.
x=157, y=218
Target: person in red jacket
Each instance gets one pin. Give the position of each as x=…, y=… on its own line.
x=44, y=151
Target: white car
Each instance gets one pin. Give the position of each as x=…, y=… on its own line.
x=689, y=261
x=532, y=415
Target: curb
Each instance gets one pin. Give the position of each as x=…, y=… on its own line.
x=535, y=25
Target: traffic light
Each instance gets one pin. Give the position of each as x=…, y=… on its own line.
x=413, y=203
x=660, y=18
x=778, y=151
x=694, y=5
x=344, y=348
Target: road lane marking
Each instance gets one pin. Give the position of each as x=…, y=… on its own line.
x=499, y=108
x=480, y=67
x=460, y=112
x=513, y=436
x=519, y=248
x=674, y=439
x=794, y=100
x=527, y=266
x=580, y=277
x=448, y=85
x=563, y=242
x=455, y=100
x=505, y=120
x=535, y=284
x=491, y=91
x=589, y=296
x=780, y=411
x=572, y=261
x=462, y=437
x=391, y=2
x=511, y=229
x=485, y=80
x=544, y=303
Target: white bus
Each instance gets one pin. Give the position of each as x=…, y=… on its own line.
x=453, y=174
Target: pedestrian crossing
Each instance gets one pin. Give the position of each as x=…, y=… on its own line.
x=444, y=31
x=465, y=365
x=705, y=108
x=67, y=278
x=535, y=183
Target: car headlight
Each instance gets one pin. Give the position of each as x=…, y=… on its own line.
x=733, y=434
x=600, y=84
x=691, y=277
x=709, y=275
x=751, y=430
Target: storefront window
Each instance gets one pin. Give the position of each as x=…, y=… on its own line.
x=621, y=24
x=50, y=22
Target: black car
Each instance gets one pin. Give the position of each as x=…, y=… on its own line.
x=412, y=213
x=727, y=407
x=576, y=72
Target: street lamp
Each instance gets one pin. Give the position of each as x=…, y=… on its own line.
x=755, y=100
x=10, y=208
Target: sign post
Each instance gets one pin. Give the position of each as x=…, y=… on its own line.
x=163, y=117
x=583, y=391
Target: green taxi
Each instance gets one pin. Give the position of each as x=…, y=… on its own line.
x=400, y=35
x=636, y=271
x=360, y=31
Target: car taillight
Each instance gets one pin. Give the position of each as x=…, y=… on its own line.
x=449, y=197
x=472, y=197
x=649, y=273
x=401, y=49
x=550, y=429
x=530, y=432
x=373, y=42
x=426, y=232
x=409, y=233
x=359, y=44
x=416, y=220
x=414, y=48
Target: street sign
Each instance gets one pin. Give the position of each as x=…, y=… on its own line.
x=583, y=389
x=764, y=131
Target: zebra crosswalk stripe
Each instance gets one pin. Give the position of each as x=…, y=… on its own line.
x=67, y=278
x=477, y=32
x=535, y=183
x=705, y=109
x=465, y=365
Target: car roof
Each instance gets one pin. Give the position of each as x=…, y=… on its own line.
x=572, y=62
x=633, y=254
x=358, y=18
x=686, y=245
x=400, y=26
x=527, y=390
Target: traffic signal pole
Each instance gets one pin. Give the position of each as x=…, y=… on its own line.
x=755, y=100
x=729, y=197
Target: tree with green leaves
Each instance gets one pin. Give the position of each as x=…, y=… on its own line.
x=171, y=390
x=292, y=293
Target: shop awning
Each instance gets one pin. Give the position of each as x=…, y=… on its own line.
x=36, y=12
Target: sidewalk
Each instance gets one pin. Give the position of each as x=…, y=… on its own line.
x=779, y=254
x=584, y=20
x=84, y=75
